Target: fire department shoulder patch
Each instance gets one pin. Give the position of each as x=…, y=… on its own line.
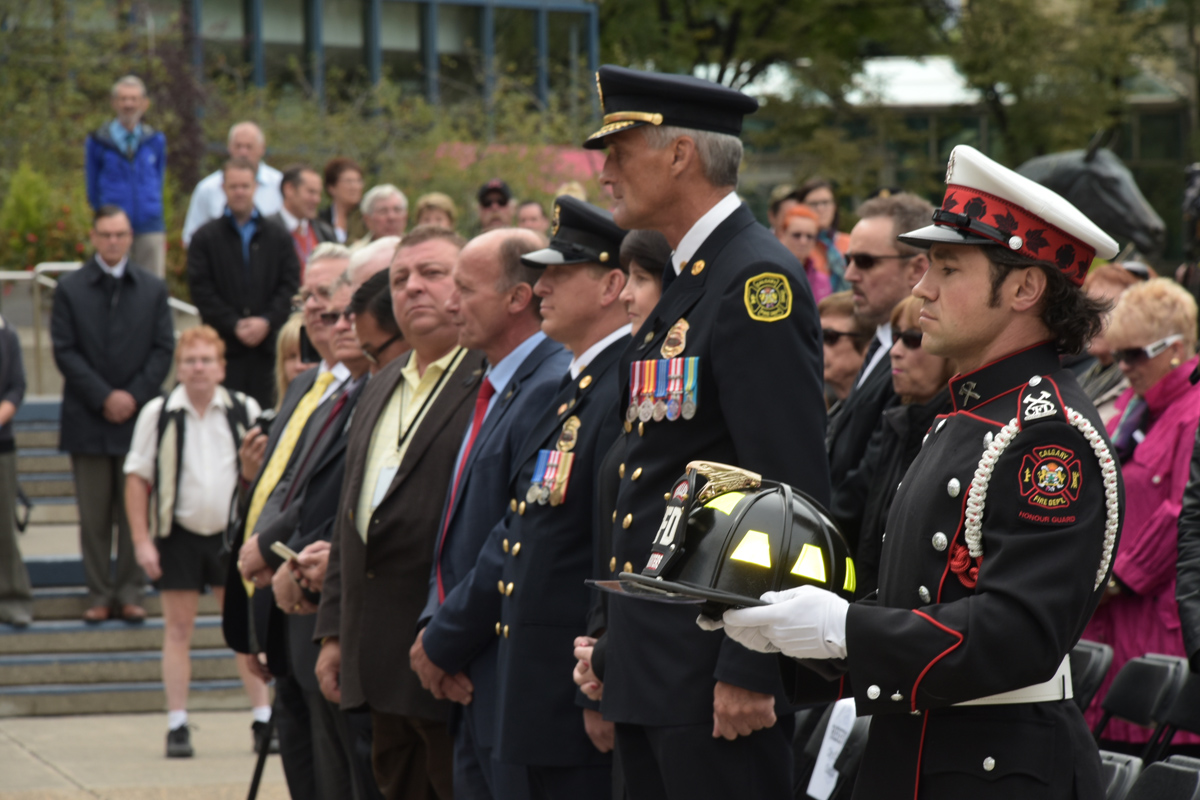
x=768, y=297
x=1051, y=478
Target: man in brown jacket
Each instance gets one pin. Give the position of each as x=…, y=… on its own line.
x=407, y=430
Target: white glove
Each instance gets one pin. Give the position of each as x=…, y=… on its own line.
x=805, y=622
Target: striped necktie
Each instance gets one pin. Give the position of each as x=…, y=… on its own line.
x=281, y=455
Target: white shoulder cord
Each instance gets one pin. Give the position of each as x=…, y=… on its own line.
x=973, y=529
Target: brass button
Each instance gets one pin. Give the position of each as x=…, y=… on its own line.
x=585, y=381
x=612, y=564
x=505, y=631
x=698, y=267
x=504, y=545
x=516, y=548
x=666, y=496
x=628, y=426
x=500, y=586
x=625, y=523
x=521, y=508
x=508, y=590
x=497, y=628
x=614, y=515
x=371, y=574
x=649, y=335
x=562, y=408
x=628, y=567
x=621, y=471
x=513, y=504
x=641, y=428
x=637, y=473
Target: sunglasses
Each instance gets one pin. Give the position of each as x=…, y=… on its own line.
x=1140, y=355
x=803, y=237
x=332, y=317
x=372, y=351
x=910, y=338
x=493, y=204
x=867, y=261
x=832, y=337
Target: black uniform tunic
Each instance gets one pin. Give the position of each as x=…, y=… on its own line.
x=938, y=635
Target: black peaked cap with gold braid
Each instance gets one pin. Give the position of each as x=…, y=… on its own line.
x=581, y=234
x=630, y=98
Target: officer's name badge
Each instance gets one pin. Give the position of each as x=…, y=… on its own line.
x=665, y=388
x=768, y=297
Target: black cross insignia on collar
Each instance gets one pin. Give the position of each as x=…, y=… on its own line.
x=967, y=390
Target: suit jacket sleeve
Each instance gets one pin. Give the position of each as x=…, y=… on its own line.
x=329, y=613
x=201, y=269
x=77, y=372
x=790, y=400
x=147, y=383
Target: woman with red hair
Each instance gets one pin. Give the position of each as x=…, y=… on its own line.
x=799, y=235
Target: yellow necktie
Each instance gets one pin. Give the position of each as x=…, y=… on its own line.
x=282, y=454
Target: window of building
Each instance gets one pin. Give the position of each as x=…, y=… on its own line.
x=400, y=43
x=283, y=42
x=223, y=34
x=345, y=59
x=460, y=69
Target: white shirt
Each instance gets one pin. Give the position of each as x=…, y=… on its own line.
x=341, y=374
x=208, y=200
x=884, y=334
x=703, y=228
x=208, y=477
x=580, y=362
x=116, y=271
x=291, y=222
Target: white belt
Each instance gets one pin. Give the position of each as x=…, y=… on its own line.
x=1057, y=688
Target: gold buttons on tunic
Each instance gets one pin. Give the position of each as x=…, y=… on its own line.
x=641, y=428
x=625, y=523
x=508, y=590
x=637, y=473
x=628, y=567
x=698, y=267
x=505, y=631
x=521, y=508
x=504, y=545
x=516, y=548
x=614, y=515
x=500, y=586
x=585, y=381
x=628, y=426
x=666, y=495
x=513, y=504
x=612, y=564
x=649, y=335
x=562, y=409
x=497, y=628
x=621, y=471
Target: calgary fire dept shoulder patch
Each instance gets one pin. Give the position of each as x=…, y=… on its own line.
x=1051, y=477
x=768, y=297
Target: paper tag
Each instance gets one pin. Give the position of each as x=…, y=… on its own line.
x=386, y=474
x=824, y=776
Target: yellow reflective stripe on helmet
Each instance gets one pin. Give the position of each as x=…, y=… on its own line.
x=810, y=564
x=725, y=503
x=851, y=579
x=755, y=548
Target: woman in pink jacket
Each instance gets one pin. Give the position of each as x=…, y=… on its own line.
x=1153, y=335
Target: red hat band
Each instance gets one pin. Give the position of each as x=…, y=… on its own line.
x=1015, y=228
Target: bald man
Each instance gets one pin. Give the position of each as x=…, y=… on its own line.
x=246, y=141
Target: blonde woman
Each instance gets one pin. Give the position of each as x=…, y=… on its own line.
x=287, y=356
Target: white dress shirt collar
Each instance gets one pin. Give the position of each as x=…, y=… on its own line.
x=291, y=222
x=117, y=270
x=884, y=334
x=580, y=362
x=703, y=228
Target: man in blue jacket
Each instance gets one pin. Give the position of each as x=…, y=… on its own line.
x=126, y=161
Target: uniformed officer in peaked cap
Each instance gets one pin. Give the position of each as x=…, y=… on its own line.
x=727, y=368
x=1001, y=538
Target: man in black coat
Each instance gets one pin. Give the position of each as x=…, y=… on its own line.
x=881, y=271
x=113, y=343
x=727, y=368
x=243, y=272
x=1001, y=538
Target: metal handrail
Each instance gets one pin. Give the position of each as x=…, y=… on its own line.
x=39, y=278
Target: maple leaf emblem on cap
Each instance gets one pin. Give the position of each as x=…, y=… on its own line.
x=1081, y=270
x=975, y=208
x=1007, y=223
x=1034, y=239
x=950, y=203
x=1065, y=257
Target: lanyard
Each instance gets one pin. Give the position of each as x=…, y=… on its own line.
x=451, y=367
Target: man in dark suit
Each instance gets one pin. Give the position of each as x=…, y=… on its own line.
x=301, y=187
x=496, y=311
x=541, y=552
x=406, y=433
x=243, y=272
x=726, y=368
x=881, y=270
x=113, y=343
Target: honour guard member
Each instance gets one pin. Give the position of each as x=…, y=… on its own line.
x=1000, y=540
x=726, y=368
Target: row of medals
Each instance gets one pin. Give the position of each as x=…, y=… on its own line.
x=539, y=492
x=676, y=404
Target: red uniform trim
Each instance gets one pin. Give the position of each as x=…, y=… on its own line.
x=1004, y=357
x=950, y=547
x=940, y=655
x=920, y=753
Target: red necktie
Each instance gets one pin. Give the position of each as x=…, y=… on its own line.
x=486, y=390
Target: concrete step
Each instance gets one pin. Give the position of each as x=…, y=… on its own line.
x=71, y=602
x=54, y=511
x=116, y=698
x=75, y=636
x=48, y=484
x=42, y=459
x=90, y=668
x=36, y=436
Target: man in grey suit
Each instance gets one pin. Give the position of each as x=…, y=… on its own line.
x=407, y=430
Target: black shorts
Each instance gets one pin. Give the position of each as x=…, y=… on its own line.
x=190, y=562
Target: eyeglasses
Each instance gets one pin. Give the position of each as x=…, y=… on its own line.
x=910, y=338
x=1140, y=355
x=867, y=261
x=332, y=317
x=818, y=203
x=372, y=351
x=493, y=203
x=831, y=337
x=803, y=237
x=304, y=295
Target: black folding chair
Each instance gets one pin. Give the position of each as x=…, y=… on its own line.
x=1120, y=773
x=1140, y=694
x=1163, y=781
x=1183, y=714
x=1090, y=662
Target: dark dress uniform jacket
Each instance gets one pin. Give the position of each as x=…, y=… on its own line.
x=460, y=635
x=931, y=641
x=375, y=591
x=761, y=407
x=108, y=335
